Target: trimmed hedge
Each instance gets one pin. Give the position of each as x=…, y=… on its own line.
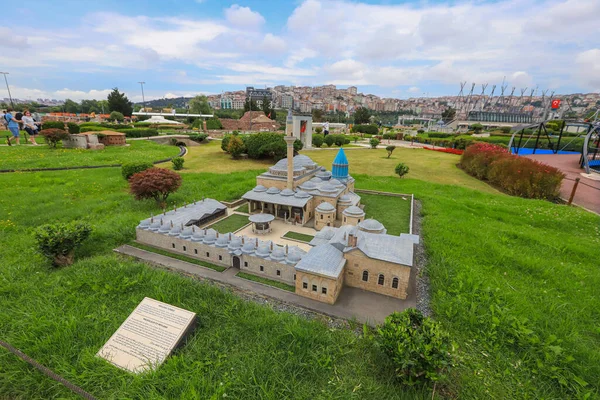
x=53, y=125
x=515, y=175
x=370, y=129
x=73, y=128
x=138, y=132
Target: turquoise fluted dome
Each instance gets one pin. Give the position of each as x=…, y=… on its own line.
x=339, y=168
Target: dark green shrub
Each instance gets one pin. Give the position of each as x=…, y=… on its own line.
x=177, y=163
x=113, y=127
x=439, y=135
x=339, y=140
x=214, y=123
x=370, y=129
x=115, y=115
x=477, y=127
x=225, y=143
x=401, y=169
x=317, y=140
x=319, y=130
x=73, y=128
x=418, y=347
x=198, y=137
x=298, y=145
x=235, y=146
x=53, y=136
x=374, y=142
x=421, y=131
x=266, y=144
x=91, y=128
x=505, y=129
x=58, y=241
x=138, y=132
x=53, y=125
x=128, y=169
x=329, y=140
x=390, y=150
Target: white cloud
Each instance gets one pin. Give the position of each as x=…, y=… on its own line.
x=414, y=89
x=12, y=40
x=243, y=17
x=588, y=68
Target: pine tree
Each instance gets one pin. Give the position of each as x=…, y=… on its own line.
x=117, y=101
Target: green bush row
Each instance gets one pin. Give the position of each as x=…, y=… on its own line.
x=138, y=132
x=370, y=129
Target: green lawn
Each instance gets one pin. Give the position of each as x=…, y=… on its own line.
x=177, y=256
x=243, y=208
x=514, y=281
x=265, y=281
x=298, y=236
x=393, y=212
x=21, y=157
x=230, y=224
x=5, y=134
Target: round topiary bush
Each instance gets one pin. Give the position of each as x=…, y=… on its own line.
x=374, y=142
x=129, y=169
x=329, y=140
x=177, y=163
x=418, y=347
x=235, y=147
x=317, y=140
x=115, y=115
x=401, y=169
x=58, y=241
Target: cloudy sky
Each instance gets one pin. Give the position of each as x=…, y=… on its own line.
x=80, y=49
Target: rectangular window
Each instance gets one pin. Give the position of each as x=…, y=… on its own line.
x=184, y=248
x=207, y=254
x=195, y=251
x=173, y=244
x=314, y=287
x=304, y=285
x=245, y=263
x=262, y=269
x=278, y=273
x=324, y=290
x=220, y=258
x=294, y=276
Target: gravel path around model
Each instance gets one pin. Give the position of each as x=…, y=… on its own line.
x=422, y=278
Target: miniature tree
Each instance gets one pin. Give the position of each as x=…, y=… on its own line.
x=235, y=147
x=177, y=163
x=53, y=136
x=154, y=183
x=116, y=116
x=58, y=241
x=401, y=169
x=374, y=142
x=390, y=150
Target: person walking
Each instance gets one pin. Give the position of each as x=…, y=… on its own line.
x=31, y=127
x=326, y=128
x=13, y=127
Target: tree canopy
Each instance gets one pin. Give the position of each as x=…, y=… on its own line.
x=117, y=101
x=199, y=105
x=361, y=115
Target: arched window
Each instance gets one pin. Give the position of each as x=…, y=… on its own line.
x=365, y=276
x=381, y=279
x=395, y=283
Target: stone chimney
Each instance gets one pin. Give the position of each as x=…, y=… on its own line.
x=352, y=240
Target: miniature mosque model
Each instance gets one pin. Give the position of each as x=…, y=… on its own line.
x=347, y=250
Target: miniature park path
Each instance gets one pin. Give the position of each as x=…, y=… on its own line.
x=353, y=303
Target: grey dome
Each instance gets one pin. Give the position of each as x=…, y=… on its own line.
x=371, y=225
x=278, y=254
x=315, y=180
x=328, y=188
x=164, y=228
x=222, y=240
x=308, y=185
x=324, y=175
x=325, y=207
x=355, y=211
x=145, y=224
x=335, y=183
x=186, y=233
x=175, y=231
x=263, y=250
x=154, y=226
x=273, y=190
x=287, y=192
x=248, y=247
x=293, y=257
x=301, y=194
x=345, y=199
x=210, y=237
x=198, y=236
x=260, y=188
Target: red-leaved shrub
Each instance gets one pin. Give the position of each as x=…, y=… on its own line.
x=53, y=136
x=154, y=183
x=516, y=175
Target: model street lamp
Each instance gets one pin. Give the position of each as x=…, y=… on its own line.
x=7, y=88
x=143, y=98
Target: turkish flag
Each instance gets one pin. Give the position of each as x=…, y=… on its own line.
x=555, y=104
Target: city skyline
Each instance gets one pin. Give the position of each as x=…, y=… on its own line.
x=401, y=50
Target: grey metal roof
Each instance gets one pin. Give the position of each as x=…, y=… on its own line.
x=188, y=214
x=381, y=246
x=261, y=218
x=323, y=236
x=324, y=260
x=277, y=198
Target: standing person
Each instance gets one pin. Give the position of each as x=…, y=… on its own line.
x=326, y=128
x=31, y=127
x=13, y=126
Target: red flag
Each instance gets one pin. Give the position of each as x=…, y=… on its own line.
x=555, y=104
x=269, y=116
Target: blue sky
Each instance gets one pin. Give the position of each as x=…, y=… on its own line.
x=80, y=49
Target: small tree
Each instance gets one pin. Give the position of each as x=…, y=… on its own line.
x=154, y=183
x=117, y=101
x=374, y=142
x=58, y=241
x=53, y=136
x=401, y=169
x=477, y=127
x=177, y=163
x=235, y=147
x=115, y=115
x=417, y=346
x=318, y=130
x=390, y=150
x=298, y=145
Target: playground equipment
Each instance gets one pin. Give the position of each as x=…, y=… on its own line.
x=538, y=139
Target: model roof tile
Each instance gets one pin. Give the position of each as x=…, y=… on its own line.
x=324, y=260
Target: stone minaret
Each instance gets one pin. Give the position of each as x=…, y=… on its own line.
x=290, y=139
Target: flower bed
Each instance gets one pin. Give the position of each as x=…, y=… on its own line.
x=446, y=150
x=515, y=175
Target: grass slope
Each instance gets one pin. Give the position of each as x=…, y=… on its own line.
x=393, y=212
x=230, y=224
x=21, y=157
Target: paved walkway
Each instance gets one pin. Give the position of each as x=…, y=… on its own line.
x=588, y=190
x=363, y=306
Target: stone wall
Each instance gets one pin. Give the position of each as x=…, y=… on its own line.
x=357, y=262
x=311, y=281
x=251, y=265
